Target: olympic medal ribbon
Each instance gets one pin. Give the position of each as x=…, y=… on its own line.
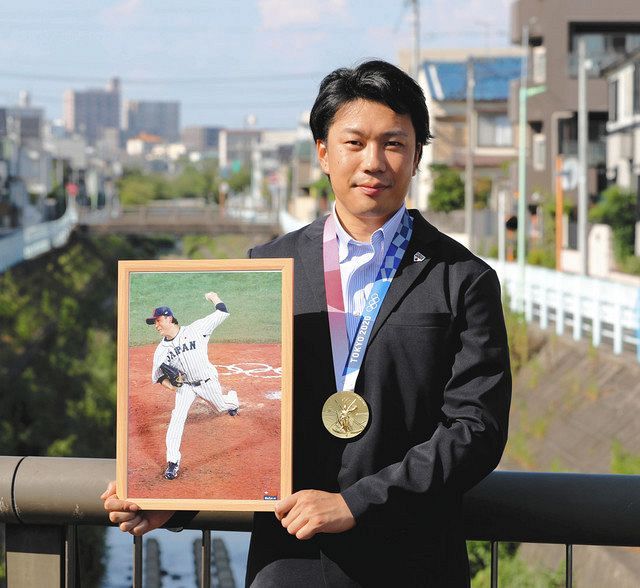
x=335, y=300
x=351, y=359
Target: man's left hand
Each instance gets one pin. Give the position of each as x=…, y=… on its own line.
x=308, y=512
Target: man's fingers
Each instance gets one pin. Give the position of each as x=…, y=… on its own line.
x=296, y=524
x=127, y=526
x=122, y=517
x=285, y=505
x=306, y=532
x=141, y=528
x=111, y=489
x=115, y=504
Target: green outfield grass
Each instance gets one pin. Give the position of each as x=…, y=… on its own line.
x=252, y=298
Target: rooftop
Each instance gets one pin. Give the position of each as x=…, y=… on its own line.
x=447, y=80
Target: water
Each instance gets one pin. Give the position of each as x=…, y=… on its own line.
x=176, y=557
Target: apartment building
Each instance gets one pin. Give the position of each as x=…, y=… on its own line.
x=555, y=27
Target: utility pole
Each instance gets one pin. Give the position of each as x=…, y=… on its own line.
x=522, y=150
x=415, y=5
x=468, y=185
x=582, y=156
x=524, y=94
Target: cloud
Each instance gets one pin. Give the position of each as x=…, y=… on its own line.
x=122, y=12
x=278, y=14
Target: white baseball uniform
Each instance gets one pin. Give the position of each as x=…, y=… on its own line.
x=187, y=351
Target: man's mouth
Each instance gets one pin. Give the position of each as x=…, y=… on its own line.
x=372, y=189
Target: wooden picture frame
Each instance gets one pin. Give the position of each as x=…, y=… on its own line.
x=227, y=461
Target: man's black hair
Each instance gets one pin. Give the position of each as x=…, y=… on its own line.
x=175, y=320
x=377, y=81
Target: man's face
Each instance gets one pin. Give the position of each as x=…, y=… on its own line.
x=370, y=155
x=164, y=325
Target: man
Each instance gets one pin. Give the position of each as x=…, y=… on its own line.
x=401, y=321
x=181, y=364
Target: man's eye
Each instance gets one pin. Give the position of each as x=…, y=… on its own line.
x=353, y=142
x=394, y=144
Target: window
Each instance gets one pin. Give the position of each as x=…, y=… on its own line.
x=636, y=88
x=494, y=130
x=539, y=152
x=605, y=43
x=539, y=69
x=613, y=101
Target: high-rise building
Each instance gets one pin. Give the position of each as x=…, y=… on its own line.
x=88, y=112
x=153, y=117
x=202, y=139
x=23, y=121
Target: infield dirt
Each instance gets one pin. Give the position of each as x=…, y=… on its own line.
x=223, y=457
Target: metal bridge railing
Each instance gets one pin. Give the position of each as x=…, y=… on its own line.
x=42, y=500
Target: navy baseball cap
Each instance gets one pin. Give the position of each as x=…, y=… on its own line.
x=160, y=311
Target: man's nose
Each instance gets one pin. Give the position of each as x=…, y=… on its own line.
x=374, y=158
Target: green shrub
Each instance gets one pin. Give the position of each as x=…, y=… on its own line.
x=617, y=208
x=622, y=461
x=448, y=189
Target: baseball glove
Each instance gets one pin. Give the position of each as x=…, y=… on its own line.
x=173, y=374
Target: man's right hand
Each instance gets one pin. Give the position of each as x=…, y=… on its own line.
x=129, y=516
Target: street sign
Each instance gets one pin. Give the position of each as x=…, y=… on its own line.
x=569, y=173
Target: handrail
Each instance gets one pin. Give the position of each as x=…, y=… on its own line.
x=562, y=508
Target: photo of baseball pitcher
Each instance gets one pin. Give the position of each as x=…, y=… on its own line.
x=181, y=364
x=204, y=385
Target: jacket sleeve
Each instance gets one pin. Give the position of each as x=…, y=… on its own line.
x=468, y=442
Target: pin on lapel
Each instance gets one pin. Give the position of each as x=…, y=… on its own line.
x=419, y=257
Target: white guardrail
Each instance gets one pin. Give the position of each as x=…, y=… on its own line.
x=589, y=307
x=34, y=240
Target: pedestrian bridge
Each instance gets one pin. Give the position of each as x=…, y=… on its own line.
x=179, y=219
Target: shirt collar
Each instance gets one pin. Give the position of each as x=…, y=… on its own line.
x=388, y=231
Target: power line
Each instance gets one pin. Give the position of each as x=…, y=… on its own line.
x=154, y=81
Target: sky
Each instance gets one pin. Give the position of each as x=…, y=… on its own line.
x=223, y=60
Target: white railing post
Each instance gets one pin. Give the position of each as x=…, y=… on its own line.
x=617, y=321
x=528, y=295
x=637, y=333
x=577, y=309
x=560, y=307
x=596, y=317
x=544, y=300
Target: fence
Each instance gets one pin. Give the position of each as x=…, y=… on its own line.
x=589, y=307
x=43, y=499
x=29, y=242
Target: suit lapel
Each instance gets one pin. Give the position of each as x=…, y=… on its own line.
x=409, y=270
x=310, y=253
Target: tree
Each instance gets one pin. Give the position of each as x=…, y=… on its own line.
x=617, y=208
x=448, y=189
x=322, y=188
x=136, y=188
x=191, y=183
x=240, y=180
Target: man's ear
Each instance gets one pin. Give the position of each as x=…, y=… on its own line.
x=417, y=158
x=321, y=150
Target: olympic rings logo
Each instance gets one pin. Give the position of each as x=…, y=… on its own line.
x=250, y=369
x=371, y=304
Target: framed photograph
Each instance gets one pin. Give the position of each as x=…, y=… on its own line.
x=204, y=383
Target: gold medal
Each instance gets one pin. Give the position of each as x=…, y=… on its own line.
x=345, y=414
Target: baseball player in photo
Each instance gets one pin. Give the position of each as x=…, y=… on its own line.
x=181, y=364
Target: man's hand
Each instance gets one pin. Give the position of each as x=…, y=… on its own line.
x=213, y=298
x=129, y=516
x=308, y=512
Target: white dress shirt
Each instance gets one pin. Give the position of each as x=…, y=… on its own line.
x=359, y=266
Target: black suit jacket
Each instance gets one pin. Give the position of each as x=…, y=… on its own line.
x=437, y=381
